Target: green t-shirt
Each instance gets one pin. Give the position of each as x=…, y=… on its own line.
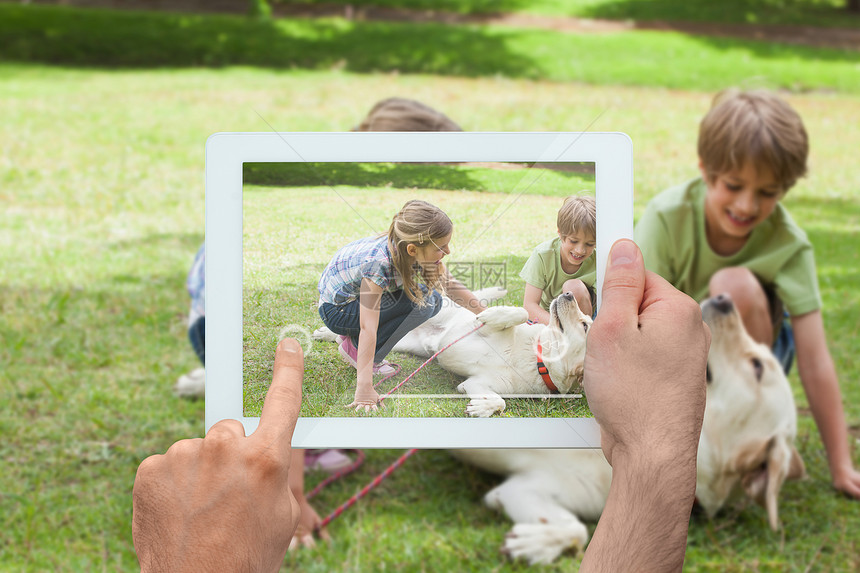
x=671, y=234
x=543, y=270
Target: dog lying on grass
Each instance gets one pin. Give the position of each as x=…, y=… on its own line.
x=746, y=445
x=506, y=356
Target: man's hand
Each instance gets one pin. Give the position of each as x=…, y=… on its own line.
x=223, y=502
x=645, y=367
x=645, y=363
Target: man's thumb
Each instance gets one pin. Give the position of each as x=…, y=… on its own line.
x=624, y=283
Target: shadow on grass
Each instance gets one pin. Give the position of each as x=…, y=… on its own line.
x=805, y=12
x=102, y=38
x=399, y=176
x=457, y=6
x=124, y=39
x=402, y=175
x=777, y=12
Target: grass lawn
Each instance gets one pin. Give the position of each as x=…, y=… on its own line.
x=101, y=183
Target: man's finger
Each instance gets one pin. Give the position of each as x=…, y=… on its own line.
x=284, y=398
x=623, y=285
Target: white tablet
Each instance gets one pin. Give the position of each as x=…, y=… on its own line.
x=280, y=205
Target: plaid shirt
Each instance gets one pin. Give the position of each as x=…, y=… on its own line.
x=195, y=283
x=366, y=258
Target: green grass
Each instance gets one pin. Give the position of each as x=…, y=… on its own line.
x=101, y=183
x=71, y=37
x=795, y=12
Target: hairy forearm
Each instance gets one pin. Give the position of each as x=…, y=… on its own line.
x=647, y=513
x=221, y=550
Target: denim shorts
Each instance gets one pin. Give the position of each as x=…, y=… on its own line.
x=783, y=345
x=197, y=337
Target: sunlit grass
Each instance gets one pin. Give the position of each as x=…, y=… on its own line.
x=101, y=183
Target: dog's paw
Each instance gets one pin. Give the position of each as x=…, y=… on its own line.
x=191, y=385
x=485, y=406
x=502, y=317
x=544, y=542
x=323, y=334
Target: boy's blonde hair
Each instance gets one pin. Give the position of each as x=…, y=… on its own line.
x=753, y=126
x=417, y=223
x=577, y=213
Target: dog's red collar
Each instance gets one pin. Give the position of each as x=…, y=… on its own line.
x=544, y=373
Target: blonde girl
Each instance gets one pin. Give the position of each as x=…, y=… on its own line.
x=377, y=289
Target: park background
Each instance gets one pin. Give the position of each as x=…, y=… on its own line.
x=105, y=110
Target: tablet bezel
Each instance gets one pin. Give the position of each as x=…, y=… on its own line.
x=226, y=153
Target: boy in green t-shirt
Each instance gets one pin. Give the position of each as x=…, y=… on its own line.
x=565, y=263
x=727, y=232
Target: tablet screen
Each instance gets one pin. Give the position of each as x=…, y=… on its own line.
x=295, y=216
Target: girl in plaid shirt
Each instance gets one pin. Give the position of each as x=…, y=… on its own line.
x=377, y=289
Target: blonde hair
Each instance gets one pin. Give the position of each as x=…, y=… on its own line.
x=417, y=223
x=577, y=213
x=753, y=126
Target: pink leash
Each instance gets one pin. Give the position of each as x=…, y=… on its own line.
x=360, y=459
x=426, y=362
x=364, y=491
x=339, y=474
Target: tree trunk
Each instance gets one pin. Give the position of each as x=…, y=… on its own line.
x=854, y=6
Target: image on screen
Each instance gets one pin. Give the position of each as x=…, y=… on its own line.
x=296, y=216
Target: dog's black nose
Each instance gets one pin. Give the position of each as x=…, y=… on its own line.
x=723, y=303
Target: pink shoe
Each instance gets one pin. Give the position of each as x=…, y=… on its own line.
x=329, y=461
x=347, y=350
x=350, y=353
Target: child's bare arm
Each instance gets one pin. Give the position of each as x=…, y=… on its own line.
x=458, y=292
x=821, y=384
x=531, y=302
x=369, y=298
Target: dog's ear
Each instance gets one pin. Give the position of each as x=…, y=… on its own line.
x=764, y=468
x=779, y=461
x=576, y=378
x=796, y=467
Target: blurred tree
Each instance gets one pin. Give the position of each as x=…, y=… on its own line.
x=854, y=6
x=259, y=9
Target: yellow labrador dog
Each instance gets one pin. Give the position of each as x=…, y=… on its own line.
x=506, y=356
x=746, y=446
